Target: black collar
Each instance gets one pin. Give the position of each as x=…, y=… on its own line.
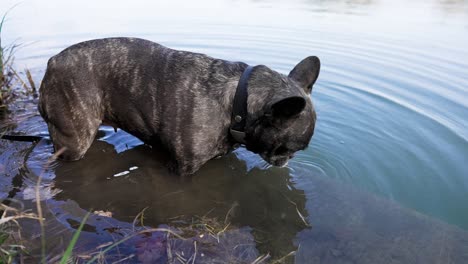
x=239, y=108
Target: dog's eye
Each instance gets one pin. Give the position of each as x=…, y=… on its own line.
x=281, y=150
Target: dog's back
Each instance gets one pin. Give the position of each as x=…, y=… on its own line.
x=134, y=84
x=179, y=100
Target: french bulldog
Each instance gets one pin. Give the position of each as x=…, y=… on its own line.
x=180, y=101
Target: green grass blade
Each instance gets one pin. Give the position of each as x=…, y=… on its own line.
x=66, y=256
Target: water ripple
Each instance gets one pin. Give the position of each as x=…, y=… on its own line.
x=392, y=108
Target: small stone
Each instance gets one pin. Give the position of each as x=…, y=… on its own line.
x=103, y=213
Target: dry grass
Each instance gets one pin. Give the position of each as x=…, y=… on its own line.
x=193, y=231
x=11, y=243
x=10, y=228
x=11, y=82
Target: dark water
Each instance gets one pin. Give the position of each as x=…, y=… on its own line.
x=385, y=179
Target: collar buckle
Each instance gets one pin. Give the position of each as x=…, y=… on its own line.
x=239, y=136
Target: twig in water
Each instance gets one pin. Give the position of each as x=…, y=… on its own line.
x=297, y=210
x=168, y=248
x=17, y=215
x=31, y=81
x=122, y=260
x=261, y=259
x=195, y=251
x=23, y=84
x=140, y=215
x=228, y=214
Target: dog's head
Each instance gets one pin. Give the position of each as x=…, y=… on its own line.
x=281, y=116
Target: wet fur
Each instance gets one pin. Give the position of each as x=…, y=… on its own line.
x=176, y=100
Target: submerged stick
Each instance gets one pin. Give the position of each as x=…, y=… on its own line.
x=31, y=81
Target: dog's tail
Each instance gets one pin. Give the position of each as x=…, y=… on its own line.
x=22, y=138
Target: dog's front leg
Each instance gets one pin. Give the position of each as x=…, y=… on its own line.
x=184, y=167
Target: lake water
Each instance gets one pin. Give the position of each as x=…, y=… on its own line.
x=385, y=179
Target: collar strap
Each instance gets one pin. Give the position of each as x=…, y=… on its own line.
x=239, y=108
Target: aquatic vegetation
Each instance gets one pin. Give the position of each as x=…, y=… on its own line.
x=6, y=75
x=194, y=240
x=11, y=243
x=9, y=77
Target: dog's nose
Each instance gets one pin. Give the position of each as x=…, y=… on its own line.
x=291, y=156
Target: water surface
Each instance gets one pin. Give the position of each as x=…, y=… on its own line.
x=385, y=174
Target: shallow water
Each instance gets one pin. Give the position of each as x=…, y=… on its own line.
x=389, y=155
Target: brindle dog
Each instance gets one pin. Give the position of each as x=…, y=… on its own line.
x=177, y=100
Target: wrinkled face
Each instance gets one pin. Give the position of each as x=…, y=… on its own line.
x=285, y=122
x=277, y=138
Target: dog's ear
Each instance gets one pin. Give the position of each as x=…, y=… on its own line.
x=306, y=73
x=287, y=107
